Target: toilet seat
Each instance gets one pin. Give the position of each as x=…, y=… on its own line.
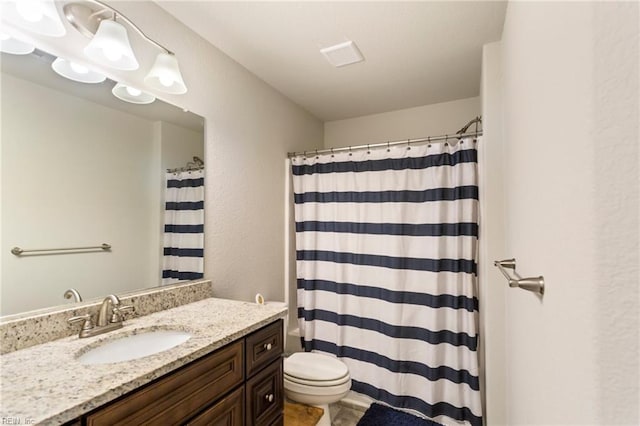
x=314, y=391
x=313, y=367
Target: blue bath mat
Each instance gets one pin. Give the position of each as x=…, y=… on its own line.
x=381, y=415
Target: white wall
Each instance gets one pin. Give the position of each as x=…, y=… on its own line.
x=178, y=145
x=410, y=123
x=492, y=285
x=249, y=128
x=571, y=165
x=74, y=173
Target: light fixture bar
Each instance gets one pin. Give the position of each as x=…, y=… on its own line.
x=86, y=20
x=110, y=46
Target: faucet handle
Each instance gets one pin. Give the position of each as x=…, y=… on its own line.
x=116, y=316
x=86, y=325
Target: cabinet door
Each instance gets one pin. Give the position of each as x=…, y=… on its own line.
x=263, y=347
x=265, y=395
x=278, y=422
x=228, y=412
x=174, y=398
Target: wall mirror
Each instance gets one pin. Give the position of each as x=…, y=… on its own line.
x=80, y=168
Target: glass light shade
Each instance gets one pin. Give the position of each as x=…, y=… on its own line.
x=37, y=16
x=165, y=75
x=76, y=72
x=110, y=47
x=132, y=95
x=15, y=47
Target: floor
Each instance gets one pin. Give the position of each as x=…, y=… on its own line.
x=343, y=415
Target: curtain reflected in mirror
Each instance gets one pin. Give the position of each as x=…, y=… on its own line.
x=184, y=225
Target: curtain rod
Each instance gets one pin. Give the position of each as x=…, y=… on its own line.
x=429, y=139
x=196, y=164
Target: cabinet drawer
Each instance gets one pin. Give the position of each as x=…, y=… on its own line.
x=174, y=398
x=228, y=412
x=263, y=346
x=265, y=395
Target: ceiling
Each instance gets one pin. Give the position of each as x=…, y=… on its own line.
x=416, y=53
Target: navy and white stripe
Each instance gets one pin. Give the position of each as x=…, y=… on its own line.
x=386, y=248
x=183, y=227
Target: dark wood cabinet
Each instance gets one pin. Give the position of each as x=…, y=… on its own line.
x=239, y=384
x=265, y=395
x=263, y=347
x=265, y=380
x=228, y=412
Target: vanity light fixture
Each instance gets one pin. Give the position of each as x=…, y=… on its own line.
x=131, y=94
x=76, y=72
x=14, y=46
x=165, y=75
x=37, y=16
x=110, y=45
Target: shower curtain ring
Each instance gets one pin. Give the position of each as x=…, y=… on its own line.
x=408, y=144
x=350, y=153
x=332, y=152
x=316, y=153
x=388, y=143
x=428, y=141
x=368, y=150
x=446, y=140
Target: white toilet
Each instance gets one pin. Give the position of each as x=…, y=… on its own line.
x=316, y=379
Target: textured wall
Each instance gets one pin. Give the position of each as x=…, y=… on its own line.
x=418, y=122
x=572, y=186
x=492, y=286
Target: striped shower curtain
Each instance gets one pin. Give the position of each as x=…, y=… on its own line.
x=183, y=227
x=386, y=247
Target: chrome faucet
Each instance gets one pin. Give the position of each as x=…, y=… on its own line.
x=108, y=319
x=72, y=292
x=103, y=315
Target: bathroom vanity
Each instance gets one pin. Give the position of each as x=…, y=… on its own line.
x=229, y=372
x=244, y=377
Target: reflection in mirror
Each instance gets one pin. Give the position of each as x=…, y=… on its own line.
x=81, y=168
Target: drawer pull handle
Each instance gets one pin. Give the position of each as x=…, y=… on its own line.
x=269, y=397
x=267, y=346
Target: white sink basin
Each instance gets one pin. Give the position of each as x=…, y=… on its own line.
x=134, y=346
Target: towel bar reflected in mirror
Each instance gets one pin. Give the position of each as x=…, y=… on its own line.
x=18, y=251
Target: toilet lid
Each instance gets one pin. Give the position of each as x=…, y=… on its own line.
x=312, y=366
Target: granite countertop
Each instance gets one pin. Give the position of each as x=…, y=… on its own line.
x=46, y=383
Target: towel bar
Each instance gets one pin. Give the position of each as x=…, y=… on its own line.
x=534, y=284
x=18, y=251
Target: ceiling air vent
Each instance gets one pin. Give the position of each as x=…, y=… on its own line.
x=342, y=54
